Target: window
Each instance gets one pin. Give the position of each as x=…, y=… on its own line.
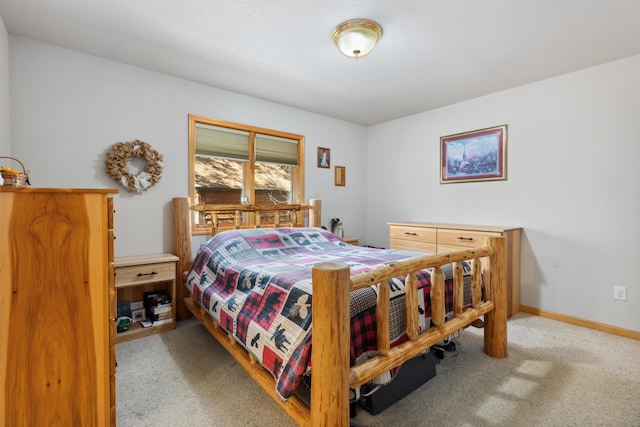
x=231, y=163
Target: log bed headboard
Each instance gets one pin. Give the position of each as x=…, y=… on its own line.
x=182, y=228
x=332, y=284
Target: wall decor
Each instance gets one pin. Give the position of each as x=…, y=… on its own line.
x=478, y=155
x=324, y=157
x=117, y=165
x=340, y=176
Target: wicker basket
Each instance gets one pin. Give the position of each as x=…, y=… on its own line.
x=15, y=179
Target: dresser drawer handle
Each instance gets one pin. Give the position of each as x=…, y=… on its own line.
x=466, y=238
x=410, y=234
x=147, y=274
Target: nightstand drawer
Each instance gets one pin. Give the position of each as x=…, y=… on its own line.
x=141, y=274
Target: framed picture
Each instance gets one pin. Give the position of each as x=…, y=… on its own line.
x=123, y=308
x=137, y=315
x=324, y=157
x=478, y=155
x=340, y=176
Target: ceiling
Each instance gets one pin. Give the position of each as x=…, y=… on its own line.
x=432, y=53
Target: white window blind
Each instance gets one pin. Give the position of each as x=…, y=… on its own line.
x=271, y=149
x=216, y=141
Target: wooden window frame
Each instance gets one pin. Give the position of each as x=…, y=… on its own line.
x=297, y=190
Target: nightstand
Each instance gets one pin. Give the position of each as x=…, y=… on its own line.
x=140, y=276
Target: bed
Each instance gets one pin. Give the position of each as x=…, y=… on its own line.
x=276, y=342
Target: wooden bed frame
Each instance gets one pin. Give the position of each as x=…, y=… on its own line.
x=332, y=283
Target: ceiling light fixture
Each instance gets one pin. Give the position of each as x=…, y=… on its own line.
x=356, y=37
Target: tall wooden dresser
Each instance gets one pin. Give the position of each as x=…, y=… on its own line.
x=442, y=238
x=57, y=337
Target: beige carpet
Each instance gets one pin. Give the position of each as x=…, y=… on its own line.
x=556, y=375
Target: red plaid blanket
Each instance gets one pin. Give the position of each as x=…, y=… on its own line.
x=256, y=284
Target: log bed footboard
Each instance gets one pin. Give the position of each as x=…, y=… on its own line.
x=332, y=376
x=332, y=284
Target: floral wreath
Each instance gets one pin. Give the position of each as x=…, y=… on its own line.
x=120, y=155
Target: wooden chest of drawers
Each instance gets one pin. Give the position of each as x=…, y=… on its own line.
x=441, y=238
x=57, y=348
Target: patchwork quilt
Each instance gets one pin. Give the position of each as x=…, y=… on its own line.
x=256, y=283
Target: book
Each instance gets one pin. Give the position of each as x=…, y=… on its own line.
x=155, y=300
x=166, y=315
x=149, y=323
x=162, y=309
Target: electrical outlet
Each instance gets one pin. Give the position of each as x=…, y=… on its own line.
x=620, y=293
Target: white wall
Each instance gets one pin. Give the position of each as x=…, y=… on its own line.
x=5, y=133
x=69, y=108
x=573, y=185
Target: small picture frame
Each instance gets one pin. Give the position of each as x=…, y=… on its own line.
x=137, y=315
x=478, y=155
x=340, y=179
x=123, y=308
x=324, y=157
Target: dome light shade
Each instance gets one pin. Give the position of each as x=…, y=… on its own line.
x=356, y=37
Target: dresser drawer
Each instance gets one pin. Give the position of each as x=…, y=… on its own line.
x=149, y=273
x=415, y=234
x=464, y=238
x=410, y=245
x=412, y=238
